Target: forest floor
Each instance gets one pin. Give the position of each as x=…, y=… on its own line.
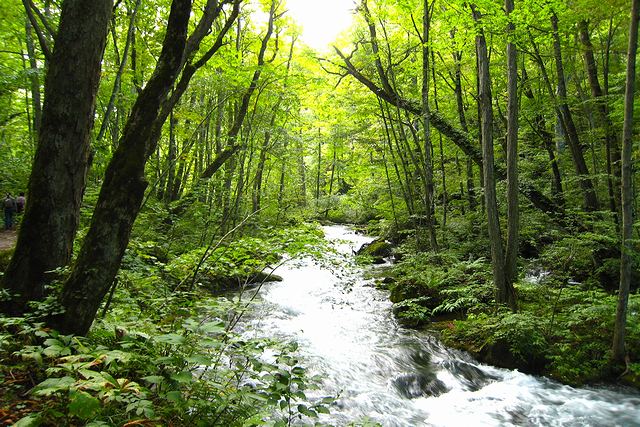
x=8, y=239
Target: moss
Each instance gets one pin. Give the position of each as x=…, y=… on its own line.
x=377, y=250
x=631, y=377
x=5, y=258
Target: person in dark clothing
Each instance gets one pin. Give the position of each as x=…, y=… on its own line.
x=9, y=209
x=20, y=202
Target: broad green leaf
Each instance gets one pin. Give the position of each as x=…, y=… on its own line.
x=53, y=385
x=31, y=420
x=83, y=405
x=173, y=339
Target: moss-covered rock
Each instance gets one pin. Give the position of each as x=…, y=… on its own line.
x=377, y=250
x=631, y=378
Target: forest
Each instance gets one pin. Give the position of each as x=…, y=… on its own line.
x=453, y=181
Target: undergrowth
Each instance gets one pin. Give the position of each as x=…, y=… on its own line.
x=563, y=327
x=160, y=354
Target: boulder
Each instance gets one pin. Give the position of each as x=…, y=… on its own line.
x=220, y=284
x=378, y=250
x=412, y=386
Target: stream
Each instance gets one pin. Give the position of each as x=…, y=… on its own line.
x=401, y=377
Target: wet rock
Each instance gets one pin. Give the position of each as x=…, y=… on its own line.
x=385, y=283
x=631, y=379
x=218, y=284
x=471, y=376
x=378, y=250
x=499, y=354
x=412, y=386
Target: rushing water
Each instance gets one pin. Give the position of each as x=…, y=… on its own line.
x=401, y=377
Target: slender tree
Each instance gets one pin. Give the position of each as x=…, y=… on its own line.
x=513, y=214
x=571, y=132
x=627, y=189
x=505, y=293
x=426, y=124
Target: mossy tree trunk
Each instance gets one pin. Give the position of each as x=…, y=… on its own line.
x=505, y=293
x=123, y=187
x=62, y=157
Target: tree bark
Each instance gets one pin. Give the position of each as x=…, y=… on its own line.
x=123, y=187
x=426, y=126
x=513, y=214
x=505, y=294
x=60, y=166
x=611, y=138
x=586, y=184
x=627, y=190
x=34, y=80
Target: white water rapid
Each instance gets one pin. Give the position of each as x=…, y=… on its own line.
x=400, y=377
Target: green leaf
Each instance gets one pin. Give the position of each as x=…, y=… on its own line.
x=154, y=379
x=322, y=409
x=173, y=339
x=200, y=359
x=83, y=405
x=213, y=327
x=306, y=411
x=107, y=376
x=174, y=396
x=182, y=377
x=31, y=420
x=53, y=385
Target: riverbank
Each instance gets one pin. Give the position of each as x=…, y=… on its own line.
x=564, y=323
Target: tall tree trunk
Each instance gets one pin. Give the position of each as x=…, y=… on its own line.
x=262, y=159
x=283, y=175
x=586, y=184
x=445, y=194
x=171, y=160
x=540, y=127
x=471, y=191
x=60, y=166
x=303, y=176
x=123, y=187
x=333, y=172
x=513, y=214
x=121, y=67
x=627, y=189
x=611, y=138
x=318, y=168
x=405, y=186
x=34, y=80
x=505, y=293
x=426, y=126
